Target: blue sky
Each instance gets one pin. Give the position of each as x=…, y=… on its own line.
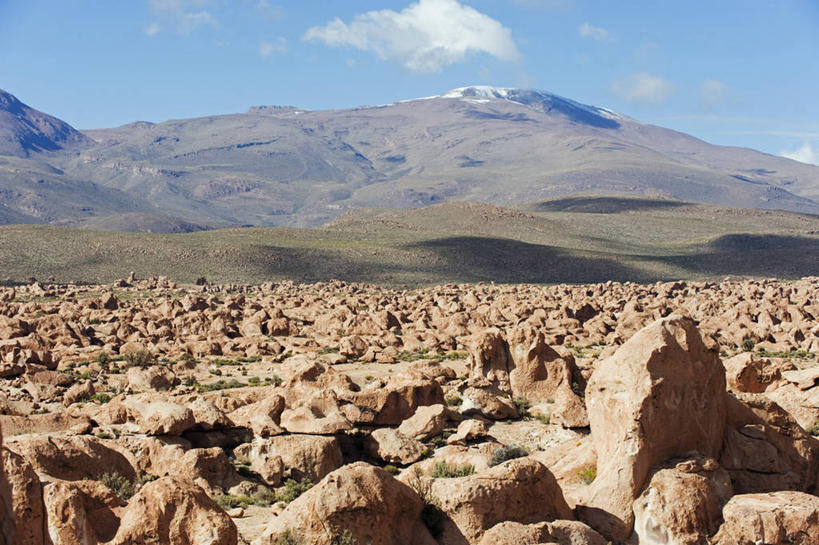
x=734, y=72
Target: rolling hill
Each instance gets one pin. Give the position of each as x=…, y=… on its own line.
x=283, y=166
x=565, y=240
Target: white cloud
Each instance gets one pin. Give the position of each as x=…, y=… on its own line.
x=270, y=11
x=153, y=29
x=423, y=37
x=643, y=88
x=268, y=48
x=805, y=154
x=186, y=14
x=713, y=93
x=594, y=32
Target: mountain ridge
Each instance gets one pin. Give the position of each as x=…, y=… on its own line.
x=285, y=166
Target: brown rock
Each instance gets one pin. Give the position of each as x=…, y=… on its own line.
x=394, y=447
x=560, y=532
x=662, y=394
x=297, y=456
x=174, y=510
x=748, y=372
x=155, y=378
x=427, y=422
x=361, y=499
x=21, y=501
x=520, y=490
x=682, y=505
x=82, y=512
x=779, y=517
x=470, y=429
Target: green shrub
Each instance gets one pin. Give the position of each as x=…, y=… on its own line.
x=522, y=405
x=220, y=384
x=119, y=485
x=228, y=501
x=287, y=538
x=748, y=344
x=346, y=538
x=453, y=400
x=507, y=452
x=443, y=470
x=587, y=476
x=293, y=489
x=101, y=398
x=140, y=358
x=391, y=469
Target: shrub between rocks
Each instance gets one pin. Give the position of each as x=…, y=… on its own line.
x=507, y=452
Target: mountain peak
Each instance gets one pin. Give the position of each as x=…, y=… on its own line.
x=24, y=130
x=542, y=101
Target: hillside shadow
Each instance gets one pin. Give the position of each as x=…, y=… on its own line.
x=604, y=205
x=451, y=259
x=475, y=259
x=778, y=256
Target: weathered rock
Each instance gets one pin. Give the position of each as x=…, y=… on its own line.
x=174, y=510
x=765, y=449
x=297, y=456
x=82, y=512
x=488, y=403
x=779, y=517
x=427, y=422
x=315, y=416
x=662, y=394
x=80, y=391
x=155, y=378
x=747, y=372
x=470, y=429
x=682, y=505
x=263, y=417
x=520, y=490
x=147, y=413
x=361, y=499
x=394, y=447
x=21, y=501
x=74, y=458
x=559, y=532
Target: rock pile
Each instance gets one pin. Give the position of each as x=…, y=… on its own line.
x=145, y=412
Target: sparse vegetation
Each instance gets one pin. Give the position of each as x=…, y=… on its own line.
x=507, y=452
x=443, y=470
x=287, y=538
x=587, y=476
x=345, y=538
x=139, y=358
x=453, y=400
x=522, y=405
x=220, y=384
x=293, y=489
x=748, y=344
x=123, y=488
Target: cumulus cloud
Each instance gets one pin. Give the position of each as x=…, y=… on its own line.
x=594, y=32
x=805, y=154
x=643, y=88
x=279, y=45
x=153, y=29
x=713, y=93
x=424, y=37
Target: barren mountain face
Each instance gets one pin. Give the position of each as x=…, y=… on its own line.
x=285, y=166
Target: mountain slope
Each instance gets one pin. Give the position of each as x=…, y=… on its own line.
x=24, y=130
x=281, y=166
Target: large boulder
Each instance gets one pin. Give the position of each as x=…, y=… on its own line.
x=22, y=519
x=765, y=449
x=779, y=517
x=151, y=414
x=520, y=490
x=363, y=500
x=392, y=446
x=521, y=364
x=296, y=456
x=74, y=458
x=559, y=532
x=427, y=422
x=682, y=505
x=81, y=512
x=660, y=395
x=174, y=510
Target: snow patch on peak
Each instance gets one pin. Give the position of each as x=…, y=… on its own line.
x=533, y=98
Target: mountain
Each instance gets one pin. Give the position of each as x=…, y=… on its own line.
x=24, y=130
x=284, y=166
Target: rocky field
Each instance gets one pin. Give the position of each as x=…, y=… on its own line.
x=145, y=412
